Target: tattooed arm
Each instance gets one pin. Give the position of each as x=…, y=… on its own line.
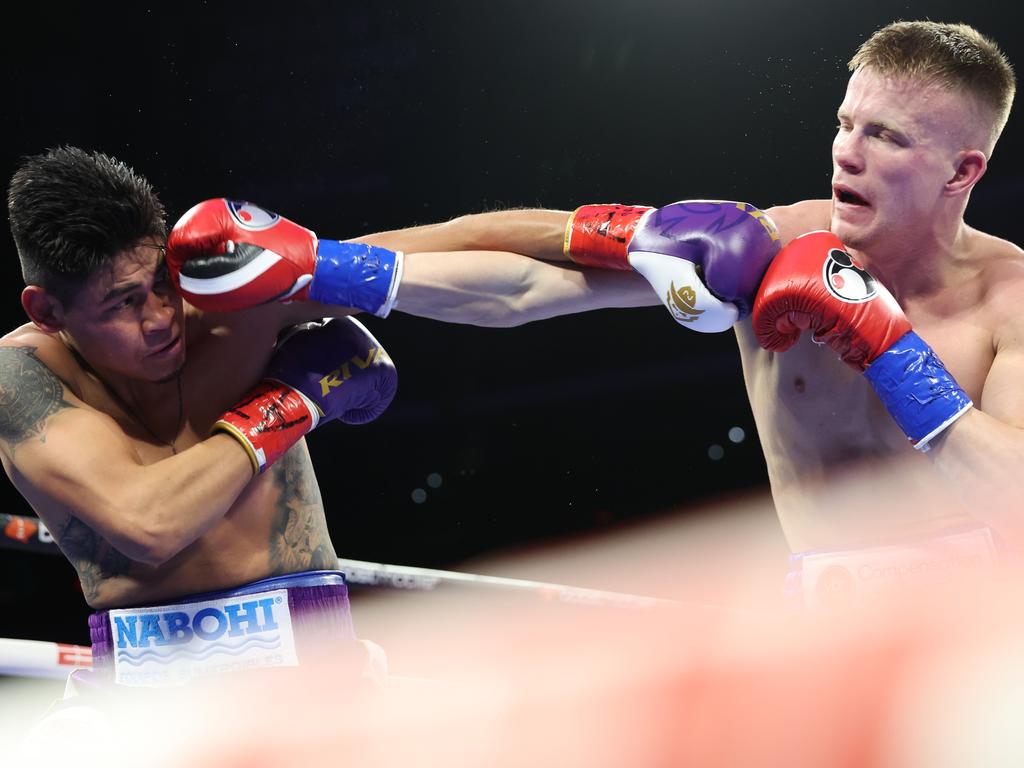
x=299, y=539
x=66, y=457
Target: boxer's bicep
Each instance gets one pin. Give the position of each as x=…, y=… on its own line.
x=60, y=455
x=538, y=233
x=1002, y=396
x=75, y=463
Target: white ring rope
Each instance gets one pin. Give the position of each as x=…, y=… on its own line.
x=40, y=658
x=410, y=577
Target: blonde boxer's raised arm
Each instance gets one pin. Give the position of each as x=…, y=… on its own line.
x=537, y=233
x=497, y=289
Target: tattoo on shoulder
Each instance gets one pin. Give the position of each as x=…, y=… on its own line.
x=29, y=394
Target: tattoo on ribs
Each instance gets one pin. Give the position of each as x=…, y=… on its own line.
x=29, y=394
x=91, y=555
x=299, y=540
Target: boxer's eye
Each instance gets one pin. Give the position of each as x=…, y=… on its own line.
x=125, y=303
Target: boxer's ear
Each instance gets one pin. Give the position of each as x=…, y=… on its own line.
x=44, y=309
x=971, y=165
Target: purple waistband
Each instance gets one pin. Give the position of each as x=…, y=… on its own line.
x=317, y=600
x=837, y=576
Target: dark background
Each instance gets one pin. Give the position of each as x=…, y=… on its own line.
x=352, y=119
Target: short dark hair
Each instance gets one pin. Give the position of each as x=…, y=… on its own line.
x=73, y=211
x=952, y=55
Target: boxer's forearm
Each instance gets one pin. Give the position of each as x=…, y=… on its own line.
x=982, y=457
x=500, y=289
x=161, y=508
x=536, y=233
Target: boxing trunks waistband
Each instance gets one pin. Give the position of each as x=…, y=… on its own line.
x=267, y=623
x=835, y=578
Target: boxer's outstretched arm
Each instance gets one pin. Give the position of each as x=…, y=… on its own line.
x=540, y=233
x=537, y=233
x=225, y=256
x=67, y=458
x=497, y=289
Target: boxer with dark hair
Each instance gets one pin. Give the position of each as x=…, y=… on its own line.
x=162, y=444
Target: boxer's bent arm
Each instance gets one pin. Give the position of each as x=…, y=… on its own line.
x=982, y=453
x=536, y=233
x=72, y=460
x=497, y=289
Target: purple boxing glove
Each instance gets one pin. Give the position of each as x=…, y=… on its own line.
x=339, y=366
x=704, y=258
x=333, y=369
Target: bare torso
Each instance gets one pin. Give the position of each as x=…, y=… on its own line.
x=819, y=421
x=277, y=525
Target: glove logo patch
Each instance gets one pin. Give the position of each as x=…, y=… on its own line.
x=250, y=216
x=682, y=303
x=345, y=372
x=845, y=280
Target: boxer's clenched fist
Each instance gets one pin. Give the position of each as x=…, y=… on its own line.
x=704, y=258
x=226, y=256
x=321, y=371
x=815, y=285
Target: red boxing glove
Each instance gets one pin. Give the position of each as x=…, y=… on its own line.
x=281, y=266
x=814, y=284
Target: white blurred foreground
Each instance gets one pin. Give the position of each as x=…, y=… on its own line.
x=732, y=676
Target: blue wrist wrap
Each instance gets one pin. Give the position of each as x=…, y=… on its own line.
x=356, y=275
x=916, y=389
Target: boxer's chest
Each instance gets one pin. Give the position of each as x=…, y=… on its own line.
x=814, y=411
x=218, y=372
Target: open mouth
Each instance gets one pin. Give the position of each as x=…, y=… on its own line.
x=166, y=347
x=849, y=197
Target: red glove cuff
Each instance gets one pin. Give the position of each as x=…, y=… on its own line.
x=269, y=421
x=597, y=235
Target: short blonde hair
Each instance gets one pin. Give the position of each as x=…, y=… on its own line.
x=955, y=56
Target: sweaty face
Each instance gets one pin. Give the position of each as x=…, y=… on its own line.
x=896, y=146
x=127, y=319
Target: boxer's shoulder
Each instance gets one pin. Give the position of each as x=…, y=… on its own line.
x=996, y=267
x=1001, y=277
x=46, y=348
x=1002, y=261
x=801, y=217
